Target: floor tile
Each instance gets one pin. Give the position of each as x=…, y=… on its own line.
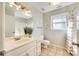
x=54, y=51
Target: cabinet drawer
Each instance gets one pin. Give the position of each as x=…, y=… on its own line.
x=17, y=51
x=30, y=52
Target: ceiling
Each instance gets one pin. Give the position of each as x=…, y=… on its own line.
x=46, y=7
x=41, y=6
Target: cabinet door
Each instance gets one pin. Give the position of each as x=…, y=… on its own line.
x=31, y=52
x=38, y=48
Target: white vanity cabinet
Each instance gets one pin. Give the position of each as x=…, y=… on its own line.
x=32, y=48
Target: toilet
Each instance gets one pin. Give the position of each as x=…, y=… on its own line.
x=45, y=43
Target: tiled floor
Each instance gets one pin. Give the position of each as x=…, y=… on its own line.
x=54, y=51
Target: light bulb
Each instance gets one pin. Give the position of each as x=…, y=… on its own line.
x=18, y=7
x=54, y=3
x=11, y=4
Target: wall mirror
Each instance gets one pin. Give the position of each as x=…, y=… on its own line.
x=16, y=20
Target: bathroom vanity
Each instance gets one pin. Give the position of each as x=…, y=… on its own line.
x=22, y=47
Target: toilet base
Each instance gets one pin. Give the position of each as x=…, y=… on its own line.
x=45, y=43
x=45, y=46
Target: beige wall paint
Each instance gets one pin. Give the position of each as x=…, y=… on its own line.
x=56, y=37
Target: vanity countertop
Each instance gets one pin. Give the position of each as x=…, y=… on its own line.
x=11, y=44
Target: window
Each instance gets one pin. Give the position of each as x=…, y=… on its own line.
x=59, y=22
x=77, y=22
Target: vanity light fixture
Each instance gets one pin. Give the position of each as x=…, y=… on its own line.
x=18, y=6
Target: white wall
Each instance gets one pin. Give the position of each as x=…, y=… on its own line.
x=37, y=23
x=1, y=26
x=56, y=37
